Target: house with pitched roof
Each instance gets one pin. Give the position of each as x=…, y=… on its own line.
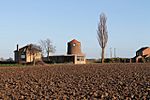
x=27, y=54
x=142, y=54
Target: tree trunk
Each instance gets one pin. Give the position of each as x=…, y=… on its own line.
x=48, y=54
x=103, y=55
x=33, y=60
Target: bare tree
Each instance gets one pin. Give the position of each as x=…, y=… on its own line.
x=102, y=34
x=47, y=47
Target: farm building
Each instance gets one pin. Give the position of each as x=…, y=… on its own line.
x=27, y=54
x=74, y=54
x=142, y=54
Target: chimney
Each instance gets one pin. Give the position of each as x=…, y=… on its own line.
x=17, y=47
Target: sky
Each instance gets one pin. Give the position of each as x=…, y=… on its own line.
x=29, y=21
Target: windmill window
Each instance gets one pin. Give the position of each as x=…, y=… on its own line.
x=74, y=44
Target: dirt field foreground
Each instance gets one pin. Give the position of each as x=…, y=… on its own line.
x=77, y=82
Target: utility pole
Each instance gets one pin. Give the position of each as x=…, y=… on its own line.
x=114, y=52
x=110, y=53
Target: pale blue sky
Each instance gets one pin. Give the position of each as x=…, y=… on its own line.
x=27, y=21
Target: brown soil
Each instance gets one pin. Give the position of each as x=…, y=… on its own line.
x=92, y=81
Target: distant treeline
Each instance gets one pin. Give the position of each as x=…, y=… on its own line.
x=119, y=60
x=110, y=60
x=8, y=62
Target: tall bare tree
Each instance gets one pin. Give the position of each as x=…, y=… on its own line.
x=47, y=47
x=102, y=34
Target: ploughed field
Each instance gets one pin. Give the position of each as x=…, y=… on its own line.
x=91, y=81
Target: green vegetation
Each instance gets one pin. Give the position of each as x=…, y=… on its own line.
x=10, y=65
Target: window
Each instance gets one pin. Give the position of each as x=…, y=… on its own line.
x=74, y=44
x=22, y=56
x=80, y=58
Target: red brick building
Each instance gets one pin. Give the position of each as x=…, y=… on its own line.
x=142, y=54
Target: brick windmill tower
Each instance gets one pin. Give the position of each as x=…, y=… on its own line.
x=74, y=48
